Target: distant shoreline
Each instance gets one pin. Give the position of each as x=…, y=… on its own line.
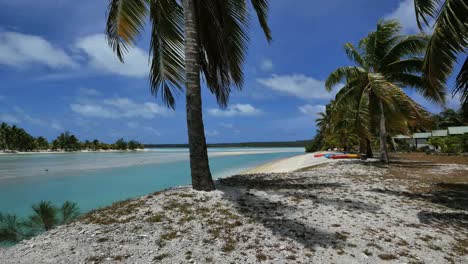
x=65, y=152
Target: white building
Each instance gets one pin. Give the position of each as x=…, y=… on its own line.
x=419, y=140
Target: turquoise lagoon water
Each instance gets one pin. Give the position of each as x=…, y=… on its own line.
x=95, y=180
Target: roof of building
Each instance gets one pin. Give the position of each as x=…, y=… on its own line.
x=439, y=133
x=402, y=137
x=458, y=130
x=422, y=135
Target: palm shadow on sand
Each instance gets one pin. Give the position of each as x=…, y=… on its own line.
x=278, y=215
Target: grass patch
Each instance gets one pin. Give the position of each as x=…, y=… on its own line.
x=169, y=236
x=387, y=257
x=461, y=247
x=161, y=257
x=260, y=256
x=156, y=218
x=115, y=213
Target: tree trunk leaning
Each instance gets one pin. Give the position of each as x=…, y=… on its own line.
x=199, y=165
x=383, y=135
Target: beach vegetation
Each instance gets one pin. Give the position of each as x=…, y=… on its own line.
x=189, y=39
x=44, y=217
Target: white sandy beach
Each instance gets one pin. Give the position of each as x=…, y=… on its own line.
x=342, y=212
x=290, y=164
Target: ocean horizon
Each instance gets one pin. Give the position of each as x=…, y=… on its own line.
x=95, y=180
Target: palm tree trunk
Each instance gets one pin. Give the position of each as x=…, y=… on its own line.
x=383, y=135
x=199, y=166
x=369, y=153
x=362, y=145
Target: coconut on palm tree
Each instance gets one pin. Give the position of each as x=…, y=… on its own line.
x=385, y=62
x=448, y=43
x=189, y=38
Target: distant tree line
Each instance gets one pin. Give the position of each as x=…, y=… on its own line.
x=17, y=139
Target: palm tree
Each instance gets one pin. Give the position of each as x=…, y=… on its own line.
x=384, y=62
x=189, y=38
x=449, y=41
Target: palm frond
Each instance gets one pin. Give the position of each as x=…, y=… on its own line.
x=125, y=21
x=448, y=40
x=411, y=45
x=262, y=7
x=167, y=50
x=223, y=41
x=418, y=83
x=378, y=43
x=354, y=55
x=425, y=10
x=344, y=73
x=462, y=83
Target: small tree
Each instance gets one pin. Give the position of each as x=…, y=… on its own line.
x=132, y=145
x=121, y=144
x=10, y=228
x=44, y=216
x=42, y=143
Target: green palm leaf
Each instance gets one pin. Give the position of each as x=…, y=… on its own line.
x=167, y=50
x=126, y=19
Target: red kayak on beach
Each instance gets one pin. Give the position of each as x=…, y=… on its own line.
x=345, y=156
x=319, y=155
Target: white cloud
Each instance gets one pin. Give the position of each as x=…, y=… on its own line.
x=21, y=50
x=20, y=116
x=405, y=13
x=55, y=125
x=235, y=110
x=88, y=92
x=297, y=85
x=102, y=58
x=138, y=126
x=9, y=118
x=212, y=133
x=266, y=65
x=311, y=110
x=227, y=125
x=119, y=107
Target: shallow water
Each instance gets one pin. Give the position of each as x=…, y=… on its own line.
x=95, y=180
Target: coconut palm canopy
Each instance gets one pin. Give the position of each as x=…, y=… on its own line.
x=449, y=19
x=222, y=41
x=385, y=62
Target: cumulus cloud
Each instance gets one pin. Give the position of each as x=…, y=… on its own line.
x=406, y=15
x=102, y=58
x=21, y=50
x=312, y=110
x=88, y=92
x=19, y=115
x=212, y=133
x=9, y=118
x=119, y=107
x=298, y=85
x=266, y=65
x=235, y=110
x=148, y=129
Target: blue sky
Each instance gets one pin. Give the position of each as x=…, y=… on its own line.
x=58, y=73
